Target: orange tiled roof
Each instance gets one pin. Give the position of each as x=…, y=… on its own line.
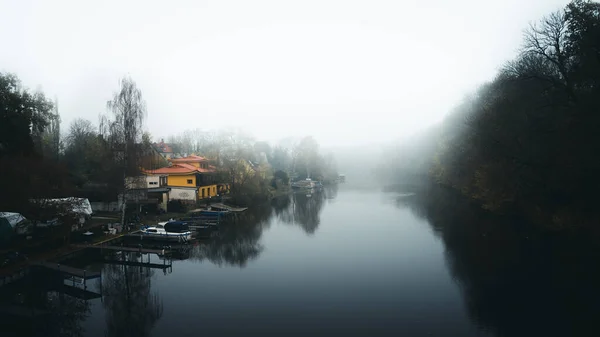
x=189, y=159
x=181, y=169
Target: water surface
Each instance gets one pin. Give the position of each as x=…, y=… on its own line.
x=341, y=262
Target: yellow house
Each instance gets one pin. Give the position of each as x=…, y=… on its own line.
x=190, y=178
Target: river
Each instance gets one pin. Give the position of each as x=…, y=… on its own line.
x=343, y=262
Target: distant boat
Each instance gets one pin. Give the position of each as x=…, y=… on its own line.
x=304, y=184
x=168, y=231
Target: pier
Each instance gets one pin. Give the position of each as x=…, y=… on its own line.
x=228, y=208
x=164, y=265
x=127, y=249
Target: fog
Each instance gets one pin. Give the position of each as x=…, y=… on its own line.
x=345, y=72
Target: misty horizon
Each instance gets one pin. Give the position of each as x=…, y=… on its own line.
x=345, y=73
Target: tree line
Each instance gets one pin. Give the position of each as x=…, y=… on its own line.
x=526, y=143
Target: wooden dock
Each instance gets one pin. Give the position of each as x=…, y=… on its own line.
x=127, y=249
x=229, y=208
x=165, y=265
x=67, y=270
x=220, y=206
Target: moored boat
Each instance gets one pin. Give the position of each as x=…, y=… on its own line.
x=168, y=231
x=304, y=184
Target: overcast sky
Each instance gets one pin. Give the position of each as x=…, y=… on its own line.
x=346, y=72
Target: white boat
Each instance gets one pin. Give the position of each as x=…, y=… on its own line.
x=168, y=231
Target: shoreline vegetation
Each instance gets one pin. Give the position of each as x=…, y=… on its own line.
x=526, y=143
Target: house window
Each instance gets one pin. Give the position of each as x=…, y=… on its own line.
x=153, y=183
x=189, y=181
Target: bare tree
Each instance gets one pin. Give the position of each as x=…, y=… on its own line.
x=129, y=112
x=545, y=49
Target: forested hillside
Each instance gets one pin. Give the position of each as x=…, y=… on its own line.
x=527, y=142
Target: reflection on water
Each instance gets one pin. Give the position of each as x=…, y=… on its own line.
x=325, y=264
x=237, y=244
x=130, y=304
x=37, y=307
x=303, y=208
x=131, y=307
x=516, y=281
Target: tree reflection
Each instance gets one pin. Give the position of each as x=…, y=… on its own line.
x=68, y=314
x=330, y=191
x=237, y=243
x=516, y=281
x=37, y=307
x=302, y=209
x=131, y=307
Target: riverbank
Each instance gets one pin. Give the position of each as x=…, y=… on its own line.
x=526, y=214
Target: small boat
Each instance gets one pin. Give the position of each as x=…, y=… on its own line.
x=304, y=184
x=168, y=231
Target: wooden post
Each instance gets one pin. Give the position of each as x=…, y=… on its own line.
x=101, y=293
